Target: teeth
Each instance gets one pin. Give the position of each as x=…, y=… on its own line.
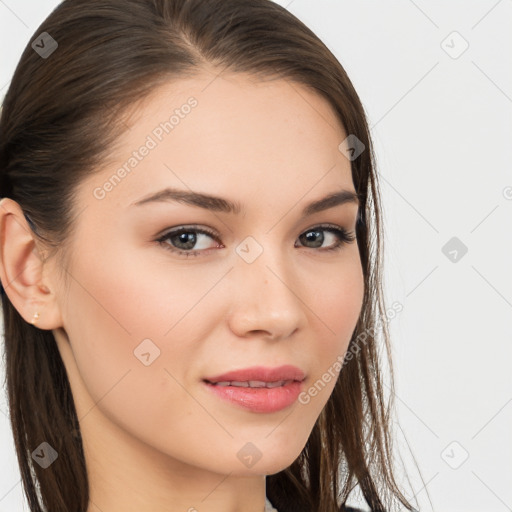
x=276, y=384
x=252, y=384
x=257, y=384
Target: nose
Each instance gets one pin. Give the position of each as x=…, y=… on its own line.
x=266, y=299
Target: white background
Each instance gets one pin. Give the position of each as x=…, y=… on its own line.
x=442, y=129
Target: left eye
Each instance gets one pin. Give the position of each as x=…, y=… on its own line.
x=182, y=240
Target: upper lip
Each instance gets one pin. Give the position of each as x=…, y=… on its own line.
x=260, y=373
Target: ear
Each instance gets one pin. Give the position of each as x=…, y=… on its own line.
x=21, y=269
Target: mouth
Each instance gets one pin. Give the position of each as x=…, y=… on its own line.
x=258, y=389
x=251, y=383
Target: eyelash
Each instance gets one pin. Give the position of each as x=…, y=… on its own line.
x=345, y=237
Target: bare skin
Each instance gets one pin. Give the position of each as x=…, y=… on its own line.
x=155, y=438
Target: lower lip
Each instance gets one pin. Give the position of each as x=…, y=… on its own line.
x=263, y=400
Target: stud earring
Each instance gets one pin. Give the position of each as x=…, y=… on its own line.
x=35, y=318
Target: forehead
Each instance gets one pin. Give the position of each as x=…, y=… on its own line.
x=260, y=139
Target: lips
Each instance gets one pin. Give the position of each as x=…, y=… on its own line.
x=258, y=389
x=258, y=376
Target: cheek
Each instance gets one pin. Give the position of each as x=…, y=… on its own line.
x=335, y=310
x=124, y=306
x=340, y=304
x=336, y=299
x=116, y=317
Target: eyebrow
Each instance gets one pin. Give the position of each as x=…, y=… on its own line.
x=219, y=204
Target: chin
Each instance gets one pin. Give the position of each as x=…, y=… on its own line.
x=261, y=468
x=274, y=462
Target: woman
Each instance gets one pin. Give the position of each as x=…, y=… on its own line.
x=190, y=241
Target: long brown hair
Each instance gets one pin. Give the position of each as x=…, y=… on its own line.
x=63, y=113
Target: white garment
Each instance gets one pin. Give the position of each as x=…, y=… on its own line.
x=269, y=507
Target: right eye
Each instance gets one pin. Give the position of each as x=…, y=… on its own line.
x=182, y=240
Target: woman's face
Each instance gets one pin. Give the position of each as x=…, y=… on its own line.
x=145, y=322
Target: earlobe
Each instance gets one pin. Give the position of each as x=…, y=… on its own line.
x=21, y=269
